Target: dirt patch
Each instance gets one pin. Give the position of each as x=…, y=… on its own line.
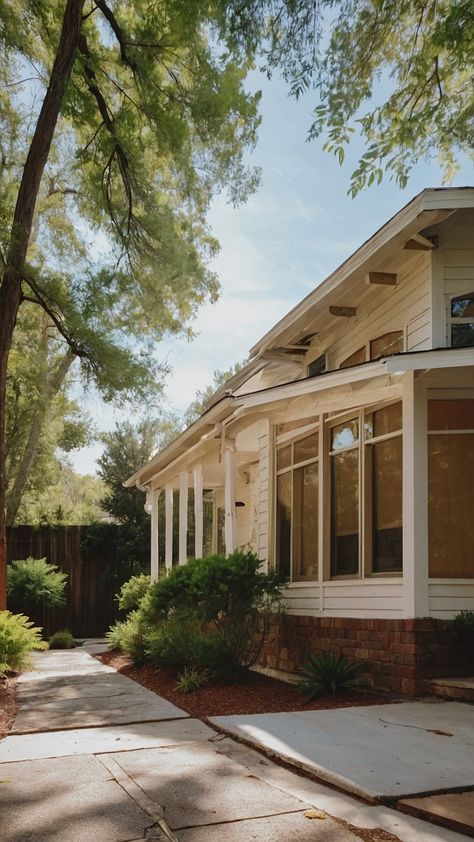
x=8, y=705
x=258, y=694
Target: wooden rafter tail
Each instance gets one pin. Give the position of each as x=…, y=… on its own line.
x=342, y=311
x=382, y=278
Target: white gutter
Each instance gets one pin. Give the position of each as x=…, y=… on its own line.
x=440, y=358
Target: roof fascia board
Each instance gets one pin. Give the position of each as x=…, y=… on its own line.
x=440, y=358
x=217, y=413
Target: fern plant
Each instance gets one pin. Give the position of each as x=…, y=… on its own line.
x=18, y=638
x=327, y=674
x=33, y=582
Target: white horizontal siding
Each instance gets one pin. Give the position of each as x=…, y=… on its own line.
x=383, y=310
x=447, y=597
x=362, y=598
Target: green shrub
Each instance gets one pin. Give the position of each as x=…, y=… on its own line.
x=132, y=592
x=130, y=636
x=191, y=679
x=230, y=593
x=62, y=640
x=327, y=674
x=32, y=582
x=180, y=643
x=463, y=624
x=18, y=638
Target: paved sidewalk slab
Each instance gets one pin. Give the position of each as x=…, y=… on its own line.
x=378, y=752
x=66, y=800
x=71, y=689
x=200, y=785
x=287, y=828
x=454, y=810
x=102, y=740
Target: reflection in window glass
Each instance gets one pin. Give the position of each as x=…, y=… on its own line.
x=283, y=538
x=388, y=419
x=463, y=306
x=387, y=344
x=356, y=358
x=306, y=448
x=305, y=522
x=345, y=513
x=450, y=496
x=345, y=435
x=386, y=457
x=284, y=457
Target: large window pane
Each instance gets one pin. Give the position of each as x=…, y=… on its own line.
x=451, y=415
x=387, y=505
x=283, y=537
x=388, y=419
x=450, y=505
x=306, y=448
x=305, y=522
x=345, y=513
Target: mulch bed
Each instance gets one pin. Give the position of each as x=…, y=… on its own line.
x=8, y=705
x=258, y=694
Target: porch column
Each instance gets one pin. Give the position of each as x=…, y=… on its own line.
x=183, y=517
x=229, y=498
x=169, y=527
x=154, y=571
x=415, y=497
x=198, y=512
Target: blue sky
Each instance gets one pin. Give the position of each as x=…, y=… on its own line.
x=290, y=235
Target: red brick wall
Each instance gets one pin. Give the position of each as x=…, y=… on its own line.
x=399, y=654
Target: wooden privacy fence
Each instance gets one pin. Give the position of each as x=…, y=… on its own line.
x=90, y=606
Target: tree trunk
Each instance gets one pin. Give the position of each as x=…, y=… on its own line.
x=10, y=289
x=49, y=390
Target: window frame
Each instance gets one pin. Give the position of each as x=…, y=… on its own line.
x=365, y=489
x=281, y=441
x=457, y=320
x=367, y=346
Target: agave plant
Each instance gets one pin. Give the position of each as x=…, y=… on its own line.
x=326, y=674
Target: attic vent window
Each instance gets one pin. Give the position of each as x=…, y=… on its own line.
x=317, y=366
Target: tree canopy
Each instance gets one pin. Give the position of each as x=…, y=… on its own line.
x=118, y=123
x=400, y=72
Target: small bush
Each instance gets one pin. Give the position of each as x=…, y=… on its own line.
x=180, y=643
x=130, y=636
x=18, y=638
x=32, y=582
x=132, y=592
x=62, y=640
x=463, y=624
x=191, y=679
x=327, y=674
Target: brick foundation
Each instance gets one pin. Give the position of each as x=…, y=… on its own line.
x=399, y=655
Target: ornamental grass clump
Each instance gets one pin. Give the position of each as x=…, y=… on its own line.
x=18, y=639
x=62, y=639
x=327, y=674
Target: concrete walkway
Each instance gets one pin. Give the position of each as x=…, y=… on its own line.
x=381, y=752
x=93, y=756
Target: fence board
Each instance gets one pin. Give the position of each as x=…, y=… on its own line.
x=90, y=607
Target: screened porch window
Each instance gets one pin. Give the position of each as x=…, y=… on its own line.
x=450, y=488
x=297, y=508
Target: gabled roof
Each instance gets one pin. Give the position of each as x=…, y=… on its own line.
x=430, y=207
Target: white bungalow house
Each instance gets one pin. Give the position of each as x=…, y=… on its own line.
x=343, y=453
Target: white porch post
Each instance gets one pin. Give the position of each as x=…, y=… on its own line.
x=183, y=517
x=229, y=498
x=169, y=527
x=155, y=496
x=415, y=497
x=198, y=512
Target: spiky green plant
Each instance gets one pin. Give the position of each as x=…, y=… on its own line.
x=327, y=674
x=191, y=679
x=18, y=638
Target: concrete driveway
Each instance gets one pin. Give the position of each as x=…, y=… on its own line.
x=93, y=756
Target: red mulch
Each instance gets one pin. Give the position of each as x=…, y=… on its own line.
x=8, y=705
x=258, y=694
